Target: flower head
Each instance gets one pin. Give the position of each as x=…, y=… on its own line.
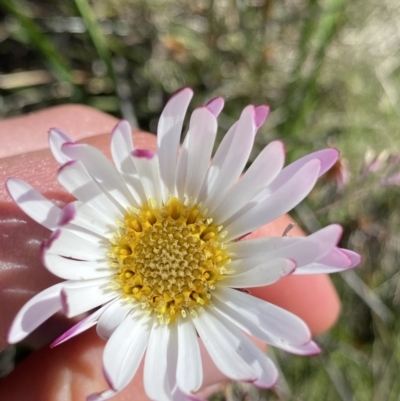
x=155, y=243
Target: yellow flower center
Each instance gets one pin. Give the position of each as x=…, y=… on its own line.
x=168, y=259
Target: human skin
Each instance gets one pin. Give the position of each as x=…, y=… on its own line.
x=73, y=370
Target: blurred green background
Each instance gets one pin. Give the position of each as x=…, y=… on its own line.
x=329, y=69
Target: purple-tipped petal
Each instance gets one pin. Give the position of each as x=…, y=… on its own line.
x=327, y=157
x=216, y=105
x=67, y=214
x=196, y=153
x=354, y=257
x=143, y=154
x=81, y=296
x=103, y=396
x=121, y=143
x=78, y=328
x=148, y=169
x=101, y=170
x=168, y=137
x=260, y=115
x=57, y=138
x=37, y=310
x=35, y=205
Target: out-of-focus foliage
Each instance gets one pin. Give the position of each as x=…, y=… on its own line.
x=329, y=69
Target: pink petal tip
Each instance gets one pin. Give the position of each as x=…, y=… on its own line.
x=143, y=154
x=216, y=105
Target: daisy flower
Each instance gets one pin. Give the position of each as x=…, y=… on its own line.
x=155, y=248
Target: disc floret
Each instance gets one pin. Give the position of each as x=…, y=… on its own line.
x=168, y=258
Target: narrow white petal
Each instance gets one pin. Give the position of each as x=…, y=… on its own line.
x=264, y=169
x=189, y=373
x=121, y=149
x=250, y=326
x=247, y=248
x=103, y=396
x=125, y=349
x=336, y=261
x=280, y=202
x=65, y=243
x=215, y=105
x=57, y=138
x=37, y=310
x=70, y=269
x=218, y=160
x=99, y=167
x=35, y=205
x=224, y=347
x=168, y=137
x=307, y=349
x=89, y=219
x=81, y=296
x=303, y=250
x=147, y=166
x=112, y=317
x=327, y=158
x=74, y=177
x=264, y=274
x=156, y=367
x=235, y=159
x=121, y=144
x=80, y=327
x=271, y=318
x=200, y=142
x=266, y=372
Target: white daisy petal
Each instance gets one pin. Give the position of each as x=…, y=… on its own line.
x=245, y=323
x=70, y=269
x=247, y=248
x=224, y=346
x=260, y=115
x=35, y=205
x=99, y=167
x=271, y=318
x=266, y=371
x=103, y=396
x=234, y=161
x=303, y=250
x=147, y=166
x=89, y=219
x=215, y=105
x=354, y=257
x=121, y=149
x=156, y=381
x=337, y=260
x=199, y=144
x=74, y=177
x=65, y=243
x=216, y=163
x=307, y=349
x=168, y=136
x=36, y=311
x=264, y=274
x=327, y=158
x=121, y=144
x=81, y=296
x=57, y=138
x=263, y=170
x=189, y=372
x=125, y=349
x=279, y=203
x=80, y=327
x=114, y=313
